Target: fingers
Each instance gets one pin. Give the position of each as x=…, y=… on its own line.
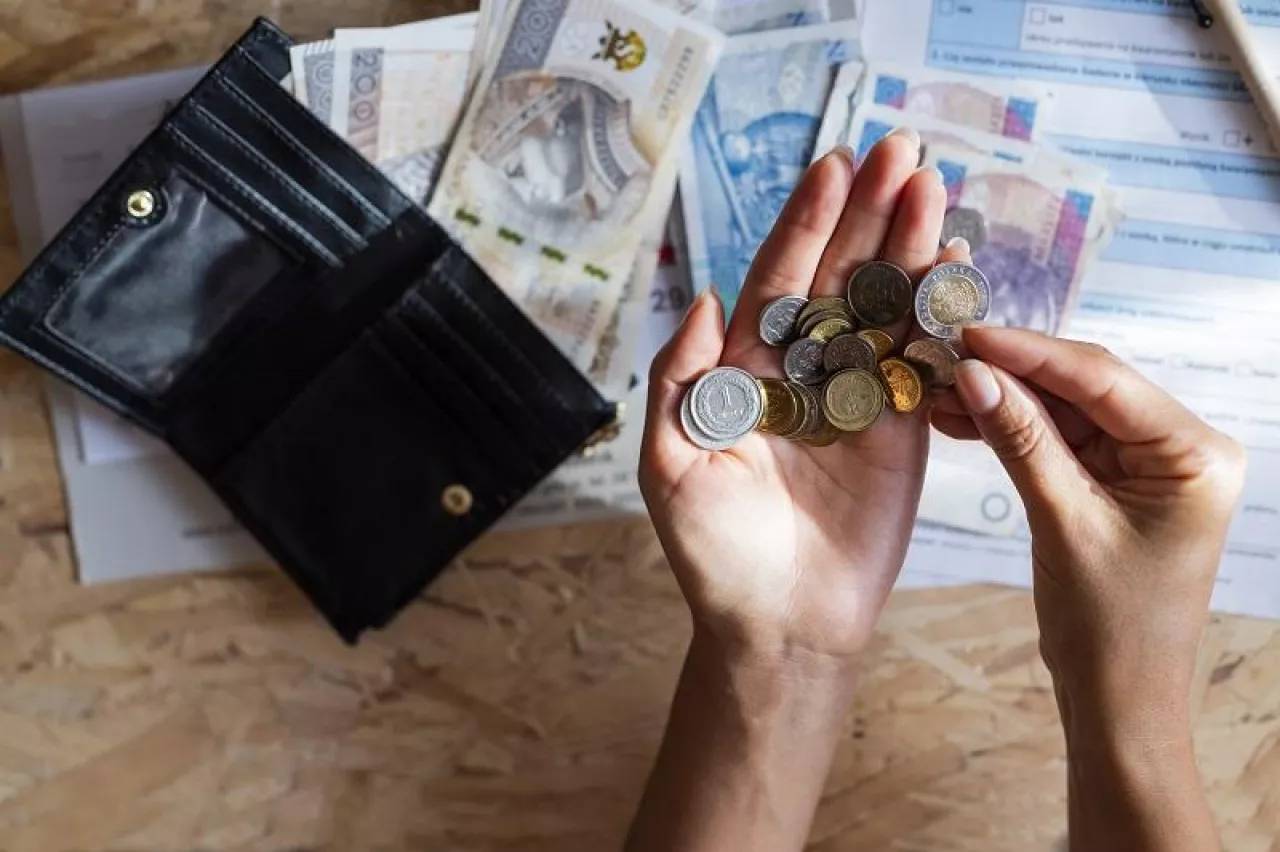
x=912, y=241
x=958, y=426
x=1106, y=390
x=692, y=350
x=1015, y=425
x=788, y=258
x=869, y=212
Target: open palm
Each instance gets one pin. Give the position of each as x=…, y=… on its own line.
x=780, y=544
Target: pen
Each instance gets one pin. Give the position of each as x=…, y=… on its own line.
x=1249, y=61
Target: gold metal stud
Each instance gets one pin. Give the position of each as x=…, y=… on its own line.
x=457, y=500
x=141, y=203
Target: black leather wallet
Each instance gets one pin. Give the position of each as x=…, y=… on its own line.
x=251, y=290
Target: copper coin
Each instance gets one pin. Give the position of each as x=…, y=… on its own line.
x=880, y=293
x=849, y=352
x=880, y=341
x=904, y=387
x=935, y=360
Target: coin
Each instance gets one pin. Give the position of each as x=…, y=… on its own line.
x=880, y=341
x=935, y=360
x=830, y=328
x=951, y=294
x=812, y=412
x=825, y=435
x=849, y=352
x=778, y=319
x=852, y=400
x=727, y=403
x=879, y=293
x=696, y=435
x=823, y=303
x=905, y=389
x=783, y=408
x=964, y=222
x=806, y=328
x=803, y=361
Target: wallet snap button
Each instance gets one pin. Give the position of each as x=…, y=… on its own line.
x=457, y=500
x=141, y=203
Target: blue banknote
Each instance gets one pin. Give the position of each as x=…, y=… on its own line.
x=752, y=138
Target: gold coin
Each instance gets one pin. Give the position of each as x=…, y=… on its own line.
x=820, y=317
x=852, y=400
x=828, y=329
x=825, y=435
x=879, y=340
x=905, y=388
x=783, y=412
x=954, y=300
x=822, y=304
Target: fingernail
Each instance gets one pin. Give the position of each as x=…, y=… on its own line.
x=907, y=133
x=702, y=296
x=846, y=152
x=958, y=244
x=977, y=387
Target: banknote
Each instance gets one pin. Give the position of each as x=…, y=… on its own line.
x=559, y=166
x=988, y=104
x=398, y=94
x=752, y=139
x=312, y=69
x=1044, y=226
x=749, y=16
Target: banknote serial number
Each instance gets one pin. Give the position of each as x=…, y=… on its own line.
x=675, y=83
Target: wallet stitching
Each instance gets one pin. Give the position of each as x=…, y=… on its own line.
x=461, y=343
x=254, y=198
x=308, y=201
x=323, y=169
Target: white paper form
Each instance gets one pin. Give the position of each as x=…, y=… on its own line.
x=1189, y=289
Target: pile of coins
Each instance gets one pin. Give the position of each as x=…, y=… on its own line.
x=839, y=362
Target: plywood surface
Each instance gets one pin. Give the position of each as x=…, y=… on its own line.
x=517, y=704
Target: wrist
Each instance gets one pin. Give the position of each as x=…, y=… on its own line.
x=773, y=662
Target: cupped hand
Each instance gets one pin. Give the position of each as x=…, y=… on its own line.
x=1128, y=496
x=784, y=549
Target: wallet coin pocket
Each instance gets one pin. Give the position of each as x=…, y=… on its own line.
x=179, y=265
x=414, y=486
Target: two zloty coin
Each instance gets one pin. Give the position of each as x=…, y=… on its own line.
x=840, y=375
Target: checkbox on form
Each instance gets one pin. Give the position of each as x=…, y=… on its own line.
x=1037, y=15
x=1231, y=138
x=946, y=7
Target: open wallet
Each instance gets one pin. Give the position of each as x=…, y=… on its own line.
x=251, y=290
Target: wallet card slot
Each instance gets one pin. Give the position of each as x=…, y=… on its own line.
x=465, y=360
x=495, y=425
x=245, y=119
x=289, y=203
x=294, y=120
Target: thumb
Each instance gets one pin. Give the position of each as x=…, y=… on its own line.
x=693, y=349
x=1014, y=423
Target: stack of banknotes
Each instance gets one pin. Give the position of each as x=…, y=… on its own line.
x=562, y=142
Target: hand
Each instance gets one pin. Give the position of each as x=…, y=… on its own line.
x=782, y=549
x=1128, y=497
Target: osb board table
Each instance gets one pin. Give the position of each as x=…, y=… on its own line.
x=516, y=705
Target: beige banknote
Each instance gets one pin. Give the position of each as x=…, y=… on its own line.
x=562, y=161
x=398, y=94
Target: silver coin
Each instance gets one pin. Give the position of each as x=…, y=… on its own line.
x=696, y=435
x=778, y=319
x=803, y=361
x=965, y=222
x=727, y=403
x=949, y=295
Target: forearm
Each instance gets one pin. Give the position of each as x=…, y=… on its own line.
x=1133, y=787
x=745, y=755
